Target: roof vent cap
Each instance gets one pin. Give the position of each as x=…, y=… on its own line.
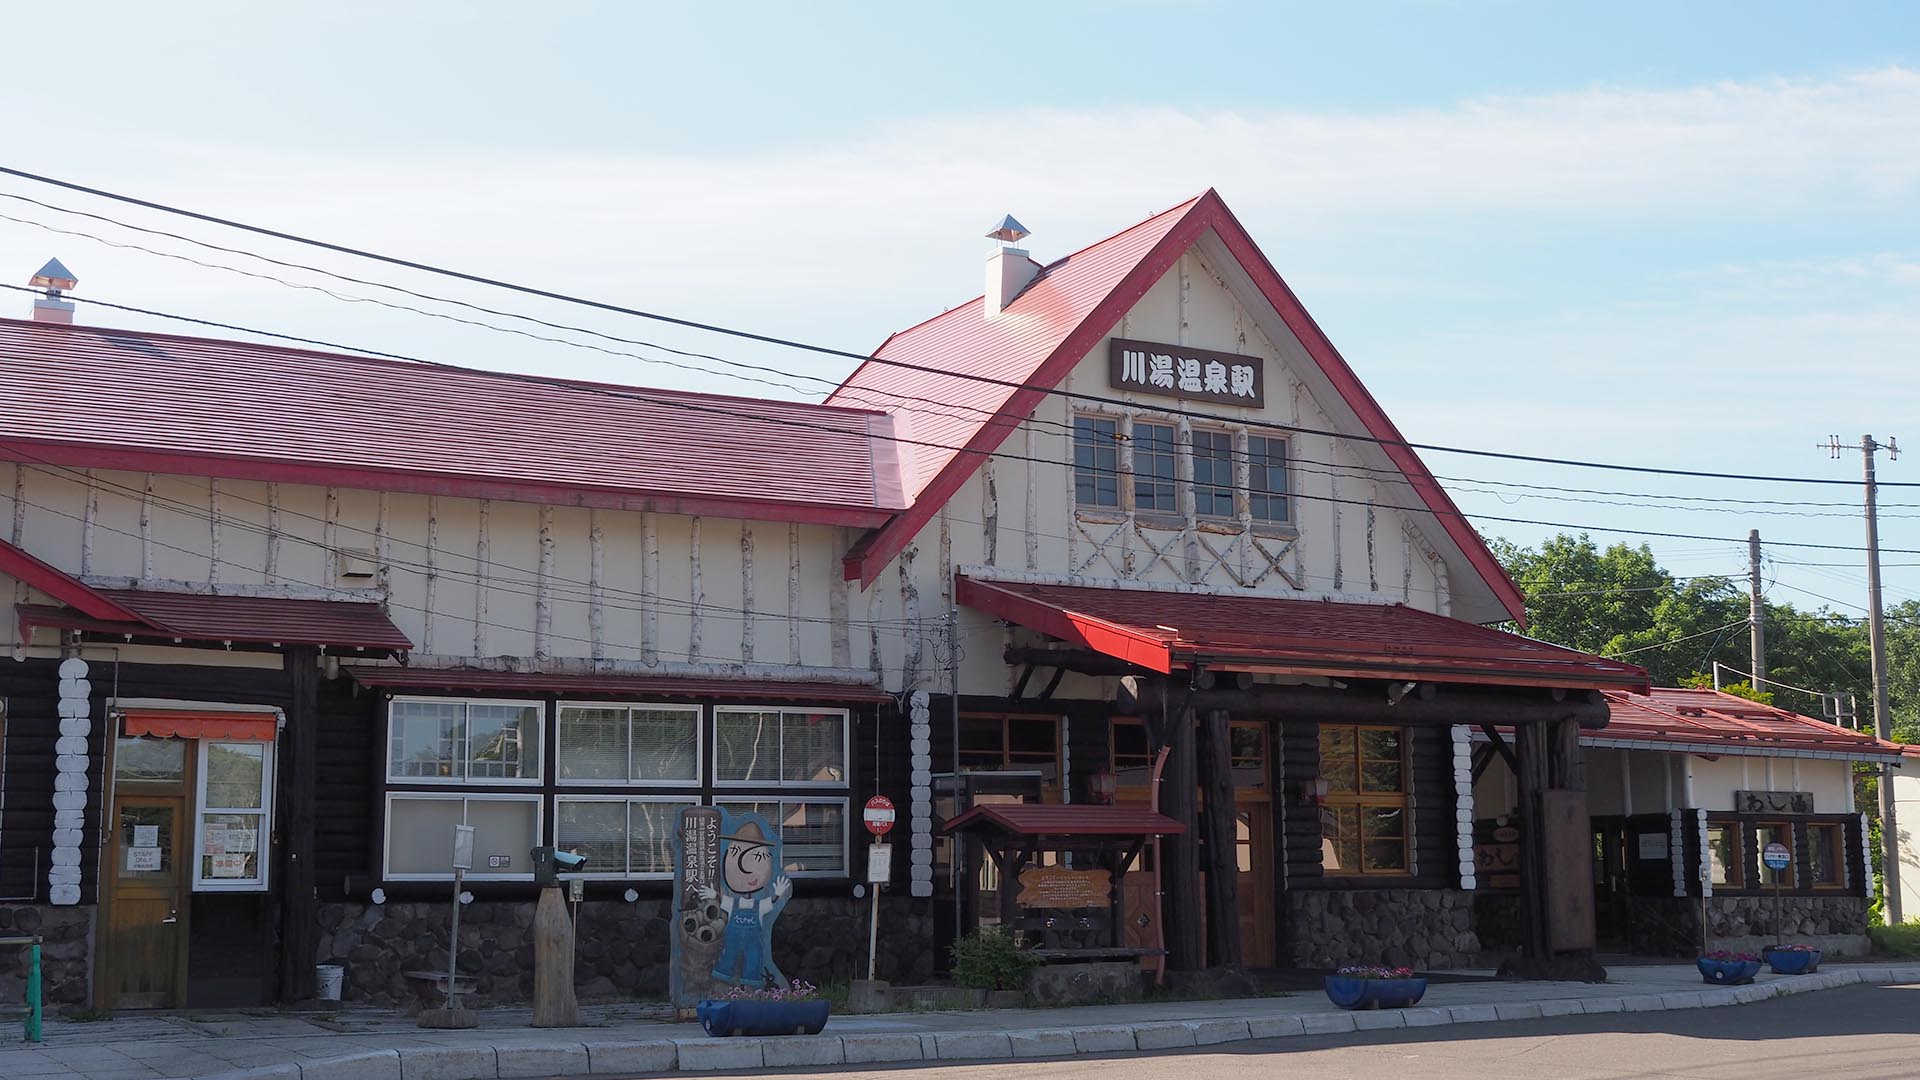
x=56, y=279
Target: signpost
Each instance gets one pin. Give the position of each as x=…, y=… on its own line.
x=878, y=817
x=1777, y=858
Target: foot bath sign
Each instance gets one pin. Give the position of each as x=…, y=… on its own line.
x=729, y=885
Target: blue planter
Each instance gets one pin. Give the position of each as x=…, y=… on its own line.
x=1793, y=961
x=763, y=1017
x=1374, y=993
x=1727, y=972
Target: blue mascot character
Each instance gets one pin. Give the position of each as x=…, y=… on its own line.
x=747, y=868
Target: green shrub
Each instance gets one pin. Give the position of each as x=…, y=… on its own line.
x=991, y=959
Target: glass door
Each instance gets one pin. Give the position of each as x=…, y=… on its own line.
x=146, y=912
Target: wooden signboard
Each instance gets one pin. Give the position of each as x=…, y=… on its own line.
x=1062, y=889
x=1773, y=802
x=1569, y=850
x=1181, y=371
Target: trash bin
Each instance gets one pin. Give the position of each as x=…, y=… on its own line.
x=328, y=979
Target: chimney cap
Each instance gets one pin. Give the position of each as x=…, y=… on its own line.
x=54, y=276
x=1009, y=231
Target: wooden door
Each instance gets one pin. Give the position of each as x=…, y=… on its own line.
x=146, y=905
x=1253, y=841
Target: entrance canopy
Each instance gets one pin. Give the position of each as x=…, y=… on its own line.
x=1063, y=820
x=202, y=724
x=1161, y=631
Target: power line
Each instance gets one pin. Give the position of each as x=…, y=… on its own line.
x=748, y=335
x=721, y=410
x=1676, y=641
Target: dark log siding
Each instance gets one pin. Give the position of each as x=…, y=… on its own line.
x=31, y=690
x=346, y=796
x=1434, y=841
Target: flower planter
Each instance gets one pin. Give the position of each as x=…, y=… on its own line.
x=1354, y=993
x=722, y=1018
x=1727, y=972
x=1793, y=961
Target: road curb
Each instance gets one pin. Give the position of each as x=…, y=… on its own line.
x=521, y=1058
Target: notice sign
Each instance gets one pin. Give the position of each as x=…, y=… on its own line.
x=214, y=841
x=146, y=836
x=228, y=865
x=143, y=859
x=880, y=863
x=1653, y=846
x=1061, y=888
x=1183, y=372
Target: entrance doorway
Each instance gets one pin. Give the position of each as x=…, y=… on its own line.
x=1255, y=849
x=147, y=916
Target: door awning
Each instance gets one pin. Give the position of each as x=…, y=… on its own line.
x=202, y=724
x=1161, y=631
x=252, y=620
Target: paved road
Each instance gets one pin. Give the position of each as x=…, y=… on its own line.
x=1852, y=1033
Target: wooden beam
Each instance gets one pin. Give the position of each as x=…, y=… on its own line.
x=1180, y=855
x=1499, y=744
x=299, y=905
x=1084, y=661
x=1046, y=693
x=1147, y=695
x=1223, y=866
x=1020, y=686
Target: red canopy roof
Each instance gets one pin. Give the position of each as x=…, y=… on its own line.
x=202, y=724
x=1713, y=721
x=1064, y=819
x=254, y=620
x=84, y=396
x=1163, y=630
x=630, y=686
x=1050, y=327
x=59, y=584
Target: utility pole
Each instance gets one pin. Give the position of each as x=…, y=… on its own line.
x=1756, y=611
x=1877, y=644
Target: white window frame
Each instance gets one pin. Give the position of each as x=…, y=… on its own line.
x=700, y=722
x=263, y=853
x=539, y=764
x=691, y=798
x=1291, y=521
x=1235, y=488
x=478, y=873
x=846, y=751
x=846, y=825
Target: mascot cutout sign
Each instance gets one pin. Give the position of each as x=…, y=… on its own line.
x=730, y=884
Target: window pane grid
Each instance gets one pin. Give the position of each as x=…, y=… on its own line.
x=1364, y=820
x=1096, y=461
x=1267, y=478
x=1213, y=473
x=1154, y=474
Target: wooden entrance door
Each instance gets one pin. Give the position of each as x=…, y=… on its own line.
x=1253, y=838
x=146, y=905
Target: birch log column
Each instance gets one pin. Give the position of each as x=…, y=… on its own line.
x=70, y=781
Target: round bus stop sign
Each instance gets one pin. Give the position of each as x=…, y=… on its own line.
x=878, y=815
x=1776, y=856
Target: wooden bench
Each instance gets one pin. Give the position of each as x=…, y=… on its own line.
x=462, y=984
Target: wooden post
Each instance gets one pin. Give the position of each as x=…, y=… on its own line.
x=553, y=1002
x=299, y=907
x=1530, y=770
x=1222, y=833
x=1180, y=878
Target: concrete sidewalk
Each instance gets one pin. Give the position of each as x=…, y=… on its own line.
x=633, y=1039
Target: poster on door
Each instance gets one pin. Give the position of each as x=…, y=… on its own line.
x=141, y=860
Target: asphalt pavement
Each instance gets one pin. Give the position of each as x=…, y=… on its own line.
x=1852, y=1033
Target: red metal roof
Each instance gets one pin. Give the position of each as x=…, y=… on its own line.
x=253, y=620
x=1048, y=329
x=1709, y=718
x=1165, y=630
x=1066, y=819
x=630, y=686
x=59, y=584
x=85, y=396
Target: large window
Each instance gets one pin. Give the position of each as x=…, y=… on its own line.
x=1826, y=856
x=1213, y=473
x=1012, y=743
x=451, y=741
x=779, y=747
x=1096, y=461
x=236, y=786
x=506, y=828
x=1154, y=472
x=622, y=838
x=1364, y=825
x=813, y=832
x=629, y=744
x=1724, y=858
x=1267, y=479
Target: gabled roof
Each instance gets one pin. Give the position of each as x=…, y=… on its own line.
x=1052, y=326
x=1161, y=631
x=1065, y=819
x=1709, y=721
x=60, y=585
x=88, y=397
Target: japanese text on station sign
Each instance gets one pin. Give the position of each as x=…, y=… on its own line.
x=1185, y=372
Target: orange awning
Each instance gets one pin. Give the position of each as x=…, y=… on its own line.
x=194, y=724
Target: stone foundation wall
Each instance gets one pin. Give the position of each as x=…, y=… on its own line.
x=621, y=947
x=66, y=954
x=1836, y=924
x=1419, y=928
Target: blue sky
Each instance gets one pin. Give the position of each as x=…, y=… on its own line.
x=1673, y=234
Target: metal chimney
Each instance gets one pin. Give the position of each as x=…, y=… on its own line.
x=1009, y=269
x=56, y=279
